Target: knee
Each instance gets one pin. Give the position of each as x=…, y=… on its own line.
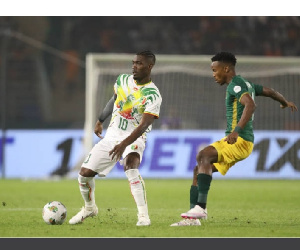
x=128, y=168
x=85, y=172
x=200, y=156
x=132, y=161
x=207, y=155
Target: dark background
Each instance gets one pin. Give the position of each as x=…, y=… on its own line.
x=52, y=50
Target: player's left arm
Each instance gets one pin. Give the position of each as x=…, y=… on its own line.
x=105, y=113
x=249, y=108
x=275, y=95
x=146, y=121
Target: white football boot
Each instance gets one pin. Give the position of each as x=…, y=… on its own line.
x=82, y=214
x=187, y=222
x=196, y=212
x=143, y=220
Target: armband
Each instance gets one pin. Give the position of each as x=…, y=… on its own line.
x=238, y=129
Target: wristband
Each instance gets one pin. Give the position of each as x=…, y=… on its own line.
x=238, y=129
x=100, y=120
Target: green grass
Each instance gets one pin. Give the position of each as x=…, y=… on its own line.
x=236, y=208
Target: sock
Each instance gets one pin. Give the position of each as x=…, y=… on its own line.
x=87, y=190
x=193, y=196
x=204, y=181
x=138, y=191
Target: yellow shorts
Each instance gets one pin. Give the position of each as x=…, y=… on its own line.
x=230, y=154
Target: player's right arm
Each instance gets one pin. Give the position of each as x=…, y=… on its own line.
x=249, y=108
x=275, y=95
x=105, y=113
x=146, y=121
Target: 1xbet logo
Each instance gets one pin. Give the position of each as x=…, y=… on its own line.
x=283, y=151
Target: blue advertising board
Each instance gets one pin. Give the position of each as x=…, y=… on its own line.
x=169, y=154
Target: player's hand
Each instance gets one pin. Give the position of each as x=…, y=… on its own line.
x=290, y=105
x=117, y=151
x=232, y=137
x=98, y=129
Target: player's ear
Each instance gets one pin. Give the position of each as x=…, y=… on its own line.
x=226, y=68
x=150, y=66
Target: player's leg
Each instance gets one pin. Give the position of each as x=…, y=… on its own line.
x=97, y=162
x=193, y=202
x=86, y=182
x=188, y=219
x=194, y=189
x=137, y=187
x=219, y=156
x=133, y=156
x=203, y=171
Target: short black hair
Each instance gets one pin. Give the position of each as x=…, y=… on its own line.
x=147, y=54
x=226, y=57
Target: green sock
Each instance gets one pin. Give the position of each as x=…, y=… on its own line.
x=193, y=196
x=203, y=181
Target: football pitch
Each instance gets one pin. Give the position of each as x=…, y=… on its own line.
x=236, y=208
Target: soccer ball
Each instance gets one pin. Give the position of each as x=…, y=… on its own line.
x=54, y=213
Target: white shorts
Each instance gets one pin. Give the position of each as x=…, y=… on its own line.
x=100, y=161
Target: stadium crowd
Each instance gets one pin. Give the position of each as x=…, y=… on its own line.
x=179, y=35
x=47, y=37
x=245, y=35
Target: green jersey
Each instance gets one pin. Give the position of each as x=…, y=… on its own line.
x=234, y=109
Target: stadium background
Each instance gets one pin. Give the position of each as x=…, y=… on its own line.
x=43, y=73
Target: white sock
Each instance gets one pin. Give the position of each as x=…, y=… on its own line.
x=87, y=190
x=138, y=191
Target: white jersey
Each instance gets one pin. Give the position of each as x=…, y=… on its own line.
x=132, y=101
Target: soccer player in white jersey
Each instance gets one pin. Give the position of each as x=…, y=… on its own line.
x=134, y=107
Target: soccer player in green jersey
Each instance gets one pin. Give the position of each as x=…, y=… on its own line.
x=237, y=145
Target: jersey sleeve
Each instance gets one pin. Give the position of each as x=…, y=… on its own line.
x=258, y=89
x=153, y=103
x=237, y=89
x=117, y=83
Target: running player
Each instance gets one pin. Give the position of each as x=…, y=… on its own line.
x=134, y=106
x=237, y=145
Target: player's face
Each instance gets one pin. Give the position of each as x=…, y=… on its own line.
x=141, y=68
x=219, y=72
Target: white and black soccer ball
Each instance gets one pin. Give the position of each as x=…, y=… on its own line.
x=54, y=213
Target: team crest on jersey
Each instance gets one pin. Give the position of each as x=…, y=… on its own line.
x=134, y=147
x=237, y=89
